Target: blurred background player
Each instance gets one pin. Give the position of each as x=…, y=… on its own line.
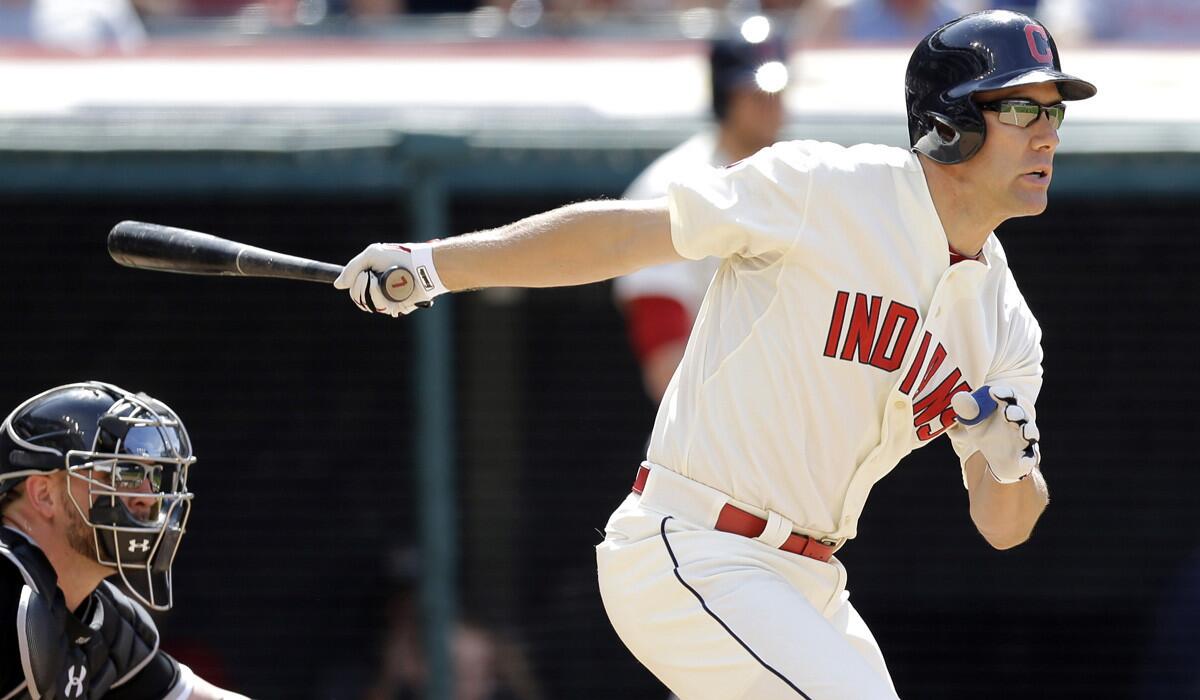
x=749, y=74
x=93, y=482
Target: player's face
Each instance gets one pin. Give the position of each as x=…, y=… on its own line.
x=755, y=116
x=79, y=534
x=1012, y=170
x=76, y=530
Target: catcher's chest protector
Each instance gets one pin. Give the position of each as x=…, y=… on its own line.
x=61, y=655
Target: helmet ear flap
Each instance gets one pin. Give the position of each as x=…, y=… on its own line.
x=950, y=141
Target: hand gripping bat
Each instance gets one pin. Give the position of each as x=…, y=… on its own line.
x=168, y=249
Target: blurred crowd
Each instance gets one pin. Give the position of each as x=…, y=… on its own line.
x=88, y=26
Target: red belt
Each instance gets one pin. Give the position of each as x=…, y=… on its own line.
x=739, y=522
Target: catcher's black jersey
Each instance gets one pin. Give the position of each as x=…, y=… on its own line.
x=107, y=648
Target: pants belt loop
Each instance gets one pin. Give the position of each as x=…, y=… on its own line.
x=777, y=531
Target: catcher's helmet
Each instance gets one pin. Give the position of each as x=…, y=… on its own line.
x=133, y=453
x=735, y=62
x=975, y=53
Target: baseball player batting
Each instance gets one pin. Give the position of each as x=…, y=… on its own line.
x=860, y=290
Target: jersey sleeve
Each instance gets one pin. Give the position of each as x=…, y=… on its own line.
x=1018, y=359
x=752, y=208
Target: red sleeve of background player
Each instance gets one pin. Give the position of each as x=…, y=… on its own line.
x=653, y=322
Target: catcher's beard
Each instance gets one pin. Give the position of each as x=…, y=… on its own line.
x=79, y=533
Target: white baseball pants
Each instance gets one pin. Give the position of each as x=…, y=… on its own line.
x=719, y=616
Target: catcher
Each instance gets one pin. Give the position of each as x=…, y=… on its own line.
x=93, y=482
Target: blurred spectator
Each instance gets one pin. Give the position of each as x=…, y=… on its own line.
x=1143, y=21
x=369, y=9
x=486, y=665
x=893, y=20
x=484, y=668
x=14, y=20
x=79, y=26
x=223, y=8
x=748, y=75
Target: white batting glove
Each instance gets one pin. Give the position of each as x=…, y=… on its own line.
x=1008, y=438
x=392, y=278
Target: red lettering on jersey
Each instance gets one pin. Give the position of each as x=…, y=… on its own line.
x=939, y=354
x=1040, y=50
x=835, y=324
x=936, y=405
x=906, y=317
x=860, y=336
x=918, y=361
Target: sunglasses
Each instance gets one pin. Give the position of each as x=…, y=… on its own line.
x=129, y=476
x=1024, y=112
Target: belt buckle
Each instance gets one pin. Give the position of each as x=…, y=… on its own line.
x=828, y=542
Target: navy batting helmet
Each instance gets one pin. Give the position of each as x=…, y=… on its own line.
x=975, y=53
x=735, y=62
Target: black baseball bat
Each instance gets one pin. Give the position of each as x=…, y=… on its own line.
x=168, y=249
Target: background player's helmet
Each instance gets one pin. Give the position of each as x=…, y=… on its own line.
x=735, y=62
x=132, y=452
x=975, y=53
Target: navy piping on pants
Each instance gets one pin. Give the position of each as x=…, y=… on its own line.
x=675, y=563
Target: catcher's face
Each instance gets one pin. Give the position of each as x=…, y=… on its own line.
x=76, y=529
x=1011, y=173
x=139, y=501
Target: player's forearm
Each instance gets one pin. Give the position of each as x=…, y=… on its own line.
x=203, y=690
x=575, y=244
x=1005, y=514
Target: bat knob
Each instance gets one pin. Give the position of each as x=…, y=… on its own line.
x=974, y=407
x=398, y=283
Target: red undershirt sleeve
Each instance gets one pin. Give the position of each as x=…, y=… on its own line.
x=655, y=321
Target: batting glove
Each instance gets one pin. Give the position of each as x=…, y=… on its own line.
x=392, y=278
x=1008, y=437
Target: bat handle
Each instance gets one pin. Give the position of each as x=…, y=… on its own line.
x=398, y=284
x=974, y=408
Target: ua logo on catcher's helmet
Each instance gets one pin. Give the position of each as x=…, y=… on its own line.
x=132, y=452
x=975, y=53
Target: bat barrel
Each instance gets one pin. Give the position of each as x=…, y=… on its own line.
x=166, y=248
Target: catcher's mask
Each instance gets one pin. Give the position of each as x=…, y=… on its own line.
x=976, y=53
x=133, y=454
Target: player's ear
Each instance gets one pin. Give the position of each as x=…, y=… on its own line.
x=41, y=494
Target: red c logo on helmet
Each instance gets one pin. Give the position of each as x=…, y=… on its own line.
x=1039, y=50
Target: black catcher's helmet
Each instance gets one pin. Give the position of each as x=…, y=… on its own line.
x=975, y=53
x=132, y=452
x=735, y=62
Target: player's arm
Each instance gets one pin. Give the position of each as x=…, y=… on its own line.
x=1002, y=453
x=203, y=690
x=164, y=677
x=1004, y=514
x=575, y=244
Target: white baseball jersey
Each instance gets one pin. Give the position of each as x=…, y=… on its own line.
x=684, y=282
x=834, y=332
